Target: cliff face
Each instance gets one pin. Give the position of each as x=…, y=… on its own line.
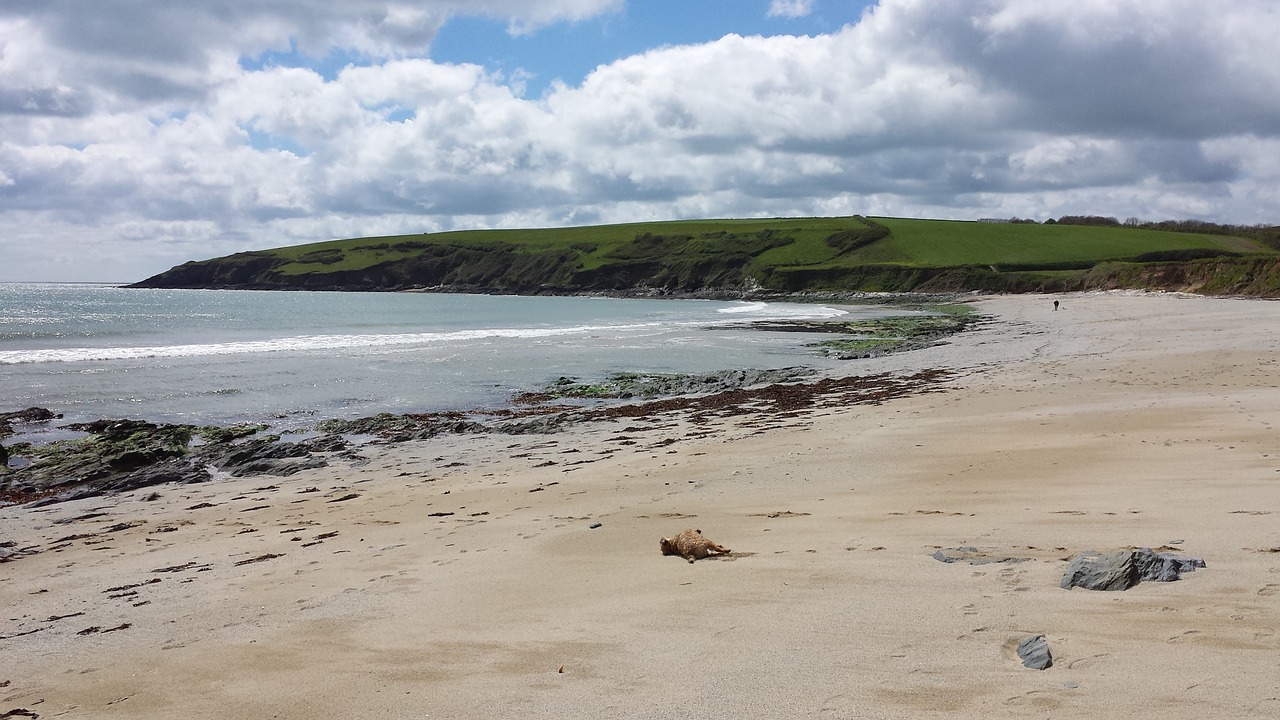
x=516, y=272
x=649, y=261
x=499, y=269
x=1250, y=277
x=243, y=270
x=849, y=255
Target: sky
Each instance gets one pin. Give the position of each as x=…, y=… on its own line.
x=140, y=134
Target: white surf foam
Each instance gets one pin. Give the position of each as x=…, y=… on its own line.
x=303, y=343
x=782, y=311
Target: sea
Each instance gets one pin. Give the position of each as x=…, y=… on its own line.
x=221, y=357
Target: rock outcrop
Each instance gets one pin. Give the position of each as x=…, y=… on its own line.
x=24, y=417
x=1122, y=569
x=123, y=455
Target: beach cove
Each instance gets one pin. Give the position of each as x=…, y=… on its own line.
x=495, y=576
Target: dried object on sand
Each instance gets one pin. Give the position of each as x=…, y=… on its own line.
x=691, y=545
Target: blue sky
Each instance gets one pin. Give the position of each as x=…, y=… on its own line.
x=570, y=51
x=135, y=139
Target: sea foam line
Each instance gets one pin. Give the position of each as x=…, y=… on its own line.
x=783, y=312
x=749, y=310
x=299, y=343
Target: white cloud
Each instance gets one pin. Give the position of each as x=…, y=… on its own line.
x=159, y=53
x=124, y=159
x=790, y=8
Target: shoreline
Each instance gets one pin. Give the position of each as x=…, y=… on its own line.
x=132, y=453
x=241, y=398
x=499, y=576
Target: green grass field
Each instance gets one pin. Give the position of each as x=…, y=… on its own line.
x=594, y=243
x=942, y=243
x=914, y=243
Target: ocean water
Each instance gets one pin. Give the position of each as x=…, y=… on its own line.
x=288, y=358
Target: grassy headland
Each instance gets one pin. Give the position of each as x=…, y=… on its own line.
x=776, y=254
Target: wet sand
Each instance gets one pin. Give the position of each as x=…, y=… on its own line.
x=463, y=578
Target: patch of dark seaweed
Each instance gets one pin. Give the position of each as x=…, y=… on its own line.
x=783, y=397
x=143, y=454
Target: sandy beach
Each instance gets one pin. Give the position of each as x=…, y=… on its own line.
x=520, y=576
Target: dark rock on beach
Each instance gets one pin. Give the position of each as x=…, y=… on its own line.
x=327, y=443
x=538, y=425
x=401, y=428
x=24, y=417
x=105, y=461
x=626, y=386
x=269, y=447
x=1034, y=652
x=169, y=471
x=266, y=455
x=123, y=455
x=1122, y=569
x=124, y=445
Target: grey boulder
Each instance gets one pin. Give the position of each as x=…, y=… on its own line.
x=1122, y=569
x=1034, y=653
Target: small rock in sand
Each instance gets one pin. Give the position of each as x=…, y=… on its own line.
x=1034, y=652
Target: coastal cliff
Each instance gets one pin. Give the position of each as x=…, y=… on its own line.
x=781, y=255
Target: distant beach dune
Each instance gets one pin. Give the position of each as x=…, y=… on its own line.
x=504, y=577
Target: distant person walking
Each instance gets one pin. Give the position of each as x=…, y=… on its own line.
x=1055, y=306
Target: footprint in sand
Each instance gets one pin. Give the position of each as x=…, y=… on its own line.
x=1269, y=707
x=1012, y=578
x=1269, y=589
x=1038, y=699
x=1086, y=662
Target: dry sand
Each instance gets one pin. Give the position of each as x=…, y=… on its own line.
x=461, y=578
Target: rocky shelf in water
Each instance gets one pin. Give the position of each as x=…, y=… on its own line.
x=123, y=455
x=882, y=336
x=627, y=386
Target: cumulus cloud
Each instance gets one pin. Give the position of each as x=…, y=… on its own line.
x=790, y=8
x=157, y=52
x=133, y=144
